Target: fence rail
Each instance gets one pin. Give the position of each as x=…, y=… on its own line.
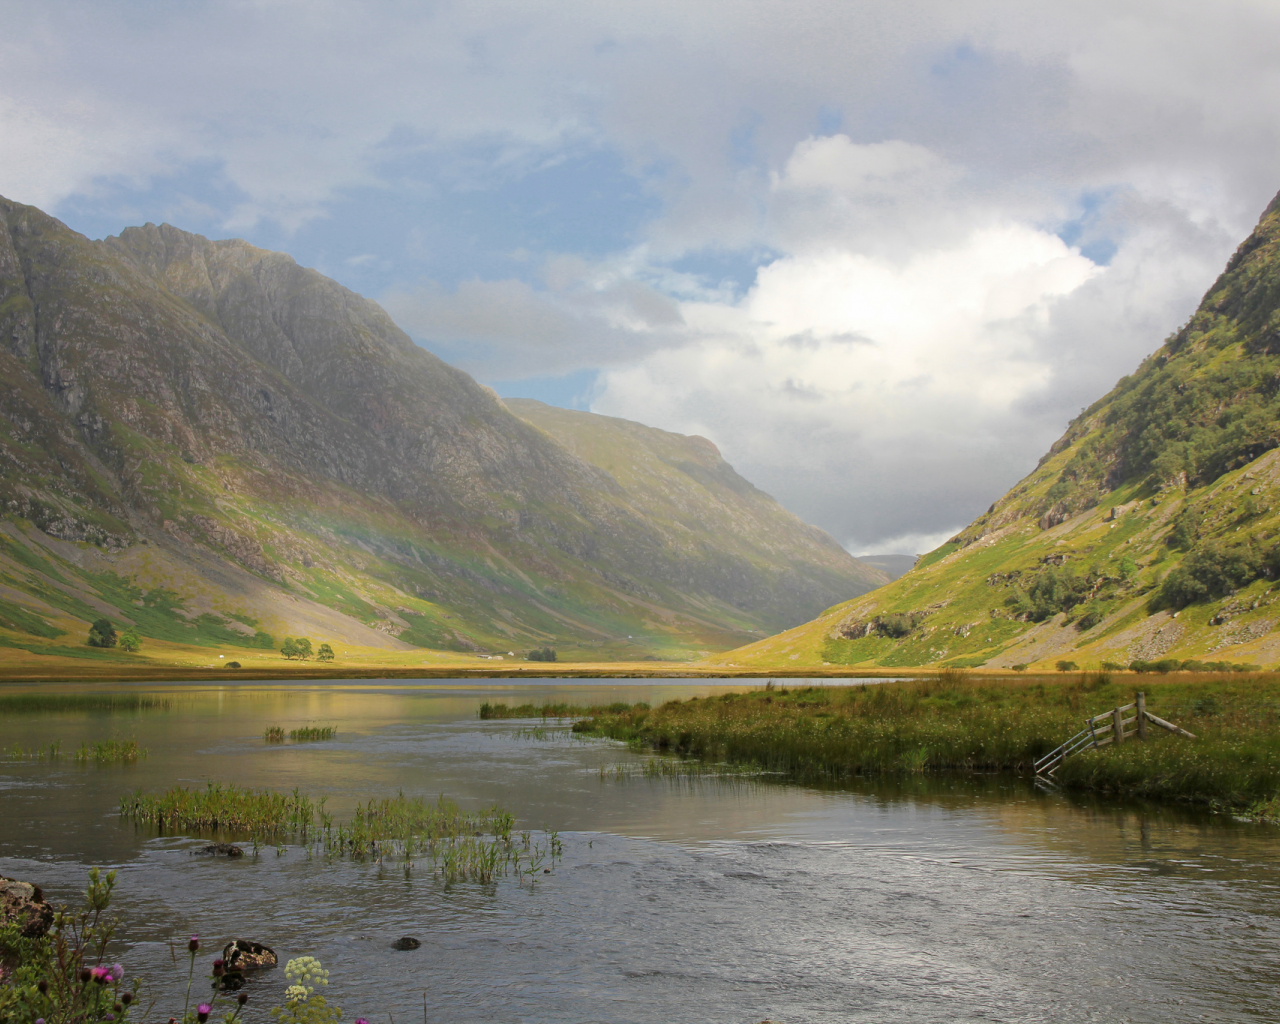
x=1115, y=729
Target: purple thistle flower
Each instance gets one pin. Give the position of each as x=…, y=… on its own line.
x=203, y=1011
x=117, y=972
x=194, y=944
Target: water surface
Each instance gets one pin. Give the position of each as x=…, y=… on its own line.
x=711, y=899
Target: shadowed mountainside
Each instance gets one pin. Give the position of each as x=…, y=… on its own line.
x=207, y=440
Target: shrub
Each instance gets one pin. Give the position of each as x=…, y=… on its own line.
x=1021, y=667
x=1067, y=666
x=130, y=641
x=1208, y=571
x=102, y=634
x=546, y=654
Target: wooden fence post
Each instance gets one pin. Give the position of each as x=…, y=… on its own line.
x=1117, y=724
x=1142, y=715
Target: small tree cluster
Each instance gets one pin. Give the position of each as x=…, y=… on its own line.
x=324, y=653
x=546, y=654
x=102, y=634
x=299, y=647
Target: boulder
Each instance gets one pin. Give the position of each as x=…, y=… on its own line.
x=407, y=942
x=220, y=850
x=242, y=955
x=25, y=904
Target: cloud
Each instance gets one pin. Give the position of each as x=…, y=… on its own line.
x=584, y=315
x=902, y=402
x=943, y=235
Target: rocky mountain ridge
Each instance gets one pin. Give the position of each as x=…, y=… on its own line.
x=213, y=423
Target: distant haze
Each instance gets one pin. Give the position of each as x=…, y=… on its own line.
x=879, y=254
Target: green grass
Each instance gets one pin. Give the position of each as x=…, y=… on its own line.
x=311, y=733
x=954, y=722
x=14, y=616
x=457, y=845
x=551, y=710
x=43, y=703
x=110, y=752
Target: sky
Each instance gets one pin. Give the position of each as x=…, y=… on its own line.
x=880, y=254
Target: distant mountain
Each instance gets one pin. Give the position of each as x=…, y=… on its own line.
x=208, y=440
x=1149, y=532
x=892, y=566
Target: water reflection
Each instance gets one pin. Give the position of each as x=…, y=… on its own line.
x=716, y=899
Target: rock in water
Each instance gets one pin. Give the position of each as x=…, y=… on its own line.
x=24, y=903
x=220, y=850
x=407, y=942
x=243, y=955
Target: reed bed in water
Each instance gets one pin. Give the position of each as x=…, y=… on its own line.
x=552, y=710
x=458, y=845
x=42, y=703
x=310, y=733
x=958, y=722
x=111, y=752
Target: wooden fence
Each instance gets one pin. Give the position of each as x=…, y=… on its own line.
x=1108, y=727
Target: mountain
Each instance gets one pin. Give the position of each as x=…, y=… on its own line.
x=222, y=447
x=1149, y=532
x=892, y=566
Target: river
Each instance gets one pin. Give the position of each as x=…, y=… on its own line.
x=708, y=899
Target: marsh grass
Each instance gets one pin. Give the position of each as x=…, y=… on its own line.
x=953, y=722
x=49, y=752
x=43, y=703
x=311, y=733
x=552, y=710
x=274, y=734
x=110, y=752
x=457, y=845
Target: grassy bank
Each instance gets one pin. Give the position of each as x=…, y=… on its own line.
x=956, y=722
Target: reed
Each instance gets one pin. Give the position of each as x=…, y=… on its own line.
x=476, y=846
x=43, y=703
x=311, y=733
x=49, y=752
x=551, y=710
x=958, y=722
x=274, y=734
x=110, y=752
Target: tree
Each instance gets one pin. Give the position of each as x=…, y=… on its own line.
x=325, y=653
x=546, y=654
x=130, y=641
x=289, y=648
x=304, y=647
x=102, y=634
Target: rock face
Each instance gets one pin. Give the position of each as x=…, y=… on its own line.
x=24, y=904
x=297, y=463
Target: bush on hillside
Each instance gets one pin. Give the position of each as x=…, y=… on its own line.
x=102, y=634
x=1208, y=571
x=546, y=654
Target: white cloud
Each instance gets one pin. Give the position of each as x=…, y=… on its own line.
x=844, y=378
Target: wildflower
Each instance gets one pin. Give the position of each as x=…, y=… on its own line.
x=85, y=974
x=219, y=968
x=126, y=998
x=203, y=1011
x=243, y=998
x=39, y=1020
x=117, y=972
x=361, y=1020
x=194, y=943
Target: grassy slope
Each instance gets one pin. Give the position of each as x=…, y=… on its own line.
x=1179, y=458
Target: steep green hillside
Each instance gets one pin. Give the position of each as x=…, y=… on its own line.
x=1151, y=530
x=207, y=440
